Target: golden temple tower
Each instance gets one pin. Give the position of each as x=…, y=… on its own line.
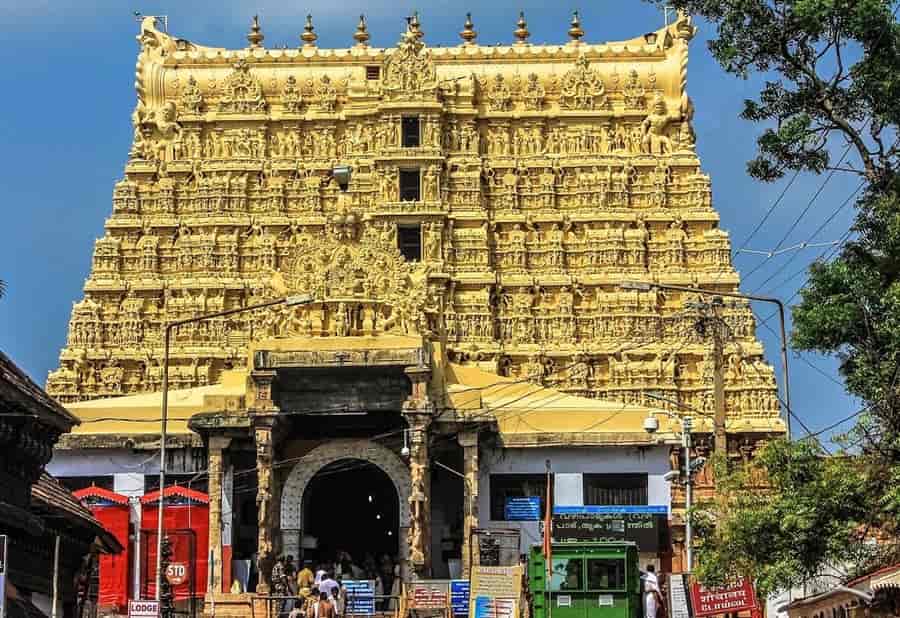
x=499, y=197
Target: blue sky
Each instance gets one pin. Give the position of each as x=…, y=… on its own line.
x=68, y=94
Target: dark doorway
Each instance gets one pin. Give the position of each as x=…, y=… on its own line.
x=352, y=505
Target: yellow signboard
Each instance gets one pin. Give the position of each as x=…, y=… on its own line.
x=495, y=592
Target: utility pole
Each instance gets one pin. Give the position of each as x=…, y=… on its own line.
x=711, y=323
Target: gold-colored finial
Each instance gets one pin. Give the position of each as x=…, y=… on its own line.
x=362, y=33
x=308, y=37
x=468, y=33
x=521, y=33
x=576, y=32
x=255, y=36
x=415, y=26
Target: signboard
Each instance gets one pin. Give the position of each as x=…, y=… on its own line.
x=360, y=596
x=176, y=573
x=3, y=543
x=495, y=592
x=589, y=525
x=736, y=598
x=459, y=597
x=678, y=597
x=523, y=509
x=143, y=609
x=429, y=594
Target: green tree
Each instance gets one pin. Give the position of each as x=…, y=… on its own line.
x=830, y=78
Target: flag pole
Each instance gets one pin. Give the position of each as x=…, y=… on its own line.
x=548, y=541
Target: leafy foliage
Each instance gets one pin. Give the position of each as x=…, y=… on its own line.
x=812, y=512
x=830, y=83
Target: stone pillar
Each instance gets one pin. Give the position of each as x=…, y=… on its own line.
x=264, y=413
x=418, y=413
x=263, y=429
x=215, y=467
x=468, y=439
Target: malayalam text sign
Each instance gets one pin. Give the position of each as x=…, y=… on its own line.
x=360, y=597
x=735, y=598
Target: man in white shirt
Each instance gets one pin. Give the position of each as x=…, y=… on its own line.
x=652, y=594
x=328, y=585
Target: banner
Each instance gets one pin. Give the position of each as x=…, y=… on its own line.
x=643, y=528
x=495, y=592
x=735, y=598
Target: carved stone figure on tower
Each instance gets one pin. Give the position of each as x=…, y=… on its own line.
x=409, y=71
x=582, y=87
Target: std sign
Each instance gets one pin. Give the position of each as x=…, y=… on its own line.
x=176, y=573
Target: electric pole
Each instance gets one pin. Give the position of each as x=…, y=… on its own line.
x=712, y=323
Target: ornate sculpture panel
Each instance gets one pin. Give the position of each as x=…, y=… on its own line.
x=534, y=180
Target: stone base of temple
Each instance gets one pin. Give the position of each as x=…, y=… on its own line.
x=226, y=604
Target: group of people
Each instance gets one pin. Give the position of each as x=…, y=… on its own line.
x=318, y=592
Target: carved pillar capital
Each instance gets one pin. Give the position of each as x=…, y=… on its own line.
x=260, y=391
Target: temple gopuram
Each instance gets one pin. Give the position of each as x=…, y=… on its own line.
x=462, y=220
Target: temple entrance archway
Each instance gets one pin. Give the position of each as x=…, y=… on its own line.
x=353, y=464
x=352, y=505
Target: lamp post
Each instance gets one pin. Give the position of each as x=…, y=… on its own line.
x=651, y=425
x=341, y=175
x=290, y=301
x=646, y=287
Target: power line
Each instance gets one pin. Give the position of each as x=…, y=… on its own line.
x=802, y=214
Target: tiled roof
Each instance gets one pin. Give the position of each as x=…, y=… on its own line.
x=100, y=492
x=176, y=490
x=50, y=498
x=19, y=394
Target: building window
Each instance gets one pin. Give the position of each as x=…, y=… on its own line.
x=410, y=186
x=506, y=486
x=410, y=130
x=615, y=489
x=409, y=241
x=373, y=72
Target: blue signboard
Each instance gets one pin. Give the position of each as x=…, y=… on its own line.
x=360, y=597
x=459, y=597
x=523, y=509
x=651, y=509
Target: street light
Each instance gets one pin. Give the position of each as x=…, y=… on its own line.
x=651, y=425
x=341, y=174
x=290, y=301
x=646, y=287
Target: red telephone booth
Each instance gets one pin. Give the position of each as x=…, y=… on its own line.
x=186, y=524
x=111, y=510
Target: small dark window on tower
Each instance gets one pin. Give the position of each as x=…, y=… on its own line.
x=409, y=241
x=410, y=131
x=410, y=186
x=373, y=72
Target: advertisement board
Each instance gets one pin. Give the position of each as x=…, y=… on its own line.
x=495, y=592
x=735, y=598
x=360, y=597
x=645, y=529
x=459, y=597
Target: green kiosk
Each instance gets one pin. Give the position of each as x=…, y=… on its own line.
x=587, y=580
x=595, y=571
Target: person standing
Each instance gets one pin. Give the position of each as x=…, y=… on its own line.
x=652, y=594
x=305, y=578
x=325, y=607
